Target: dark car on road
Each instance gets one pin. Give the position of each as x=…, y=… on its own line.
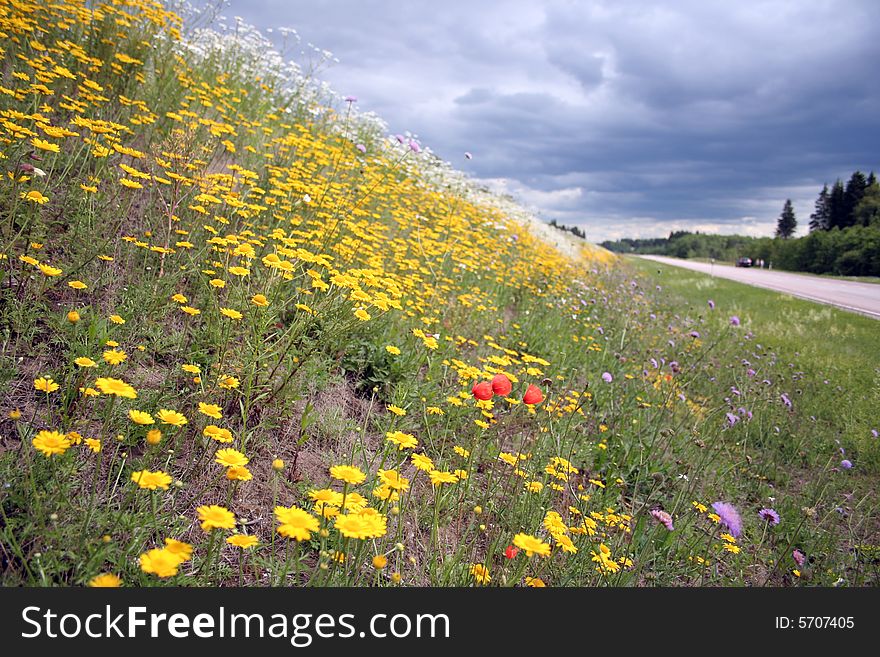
x=743, y=262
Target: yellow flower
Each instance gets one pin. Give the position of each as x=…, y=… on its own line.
x=259, y=300
x=534, y=486
x=84, y=361
x=296, y=523
x=116, y=319
x=230, y=458
x=438, y=477
x=154, y=436
x=422, y=462
x=172, y=417
x=380, y=561
x=217, y=282
x=361, y=525
x=348, y=473
x=393, y=479
x=215, y=517
x=115, y=356
x=565, y=543
x=181, y=550
x=45, y=384
x=239, y=271
x=228, y=382
x=44, y=145
x=105, y=580
x=391, y=349
x=116, y=387
x=397, y=410
x=531, y=545
x=51, y=442
x=243, y=541
x=179, y=298
x=192, y=369
x=211, y=410
x=219, y=434
x=278, y=464
x=139, y=417
x=238, y=473
x=151, y=480
x=230, y=313
x=77, y=285
x=73, y=317
x=402, y=440
x=93, y=444
x=362, y=314
x=480, y=573
x=15, y=414
x=49, y=270
x=535, y=582
x=160, y=562
x=34, y=196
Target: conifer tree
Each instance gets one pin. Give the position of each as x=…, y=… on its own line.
x=787, y=222
x=819, y=218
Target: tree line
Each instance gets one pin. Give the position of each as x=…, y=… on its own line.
x=843, y=239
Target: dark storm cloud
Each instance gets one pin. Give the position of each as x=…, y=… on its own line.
x=627, y=118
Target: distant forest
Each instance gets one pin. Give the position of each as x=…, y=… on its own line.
x=844, y=237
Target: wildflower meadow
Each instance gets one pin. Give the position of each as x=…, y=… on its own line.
x=251, y=339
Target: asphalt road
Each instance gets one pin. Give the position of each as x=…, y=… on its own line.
x=850, y=295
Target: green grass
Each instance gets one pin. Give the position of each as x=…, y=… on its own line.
x=824, y=342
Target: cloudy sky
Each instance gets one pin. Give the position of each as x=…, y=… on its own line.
x=630, y=119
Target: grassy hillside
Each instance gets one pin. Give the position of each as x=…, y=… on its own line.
x=245, y=336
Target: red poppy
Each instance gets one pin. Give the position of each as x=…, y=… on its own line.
x=501, y=385
x=511, y=552
x=533, y=395
x=482, y=390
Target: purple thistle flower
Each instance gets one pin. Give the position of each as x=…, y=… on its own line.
x=729, y=517
x=663, y=518
x=846, y=464
x=711, y=305
x=734, y=321
x=468, y=155
x=414, y=146
x=874, y=433
x=785, y=400
x=694, y=334
x=606, y=377
x=361, y=148
x=351, y=99
x=769, y=515
x=799, y=557
x=732, y=419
